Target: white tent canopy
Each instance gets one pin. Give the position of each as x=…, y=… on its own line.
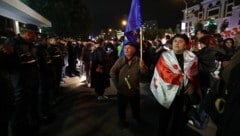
x=18, y=11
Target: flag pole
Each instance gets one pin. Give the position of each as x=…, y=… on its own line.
x=141, y=42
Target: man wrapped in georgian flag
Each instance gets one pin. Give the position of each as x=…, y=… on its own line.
x=169, y=78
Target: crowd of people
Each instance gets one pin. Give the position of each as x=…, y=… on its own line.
x=33, y=66
x=199, y=72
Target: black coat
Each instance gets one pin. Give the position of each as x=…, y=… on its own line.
x=206, y=65
x=99, y=79
x=231, y=114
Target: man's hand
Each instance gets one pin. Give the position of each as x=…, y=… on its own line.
x=6, y=48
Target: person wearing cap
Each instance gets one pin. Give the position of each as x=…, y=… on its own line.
x=24, y=75
x=174, y=78
x=125, y=74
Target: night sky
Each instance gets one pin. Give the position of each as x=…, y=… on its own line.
x=109, y=13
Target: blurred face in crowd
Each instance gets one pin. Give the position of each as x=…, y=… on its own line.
x=52, y=41
x=33, y=36
x=178, y=45
x=129, y=50
x=201, y=45
x=229, y=43
x=29, y=36
x=199, y=34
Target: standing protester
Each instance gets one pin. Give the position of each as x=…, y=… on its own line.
x=209, y=66
x=63, y=48
x=195, y=43
x=58, y=63
x=72, y=57
x=125, y=74
x=231, y=79
x=47, y=77
x=228, y=48
x=175, y=77
x=6, y=89
x=86, y=58
x=99, y=74
x=24, y=74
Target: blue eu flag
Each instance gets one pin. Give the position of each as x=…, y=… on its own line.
x=132, y=30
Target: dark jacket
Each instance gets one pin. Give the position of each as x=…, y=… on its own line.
x=24, y=68
x=99, y=79
x=127, y=77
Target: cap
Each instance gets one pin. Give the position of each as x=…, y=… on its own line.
x=130, y=43
x=30, y=27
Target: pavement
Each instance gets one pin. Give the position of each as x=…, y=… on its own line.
x=79, y=113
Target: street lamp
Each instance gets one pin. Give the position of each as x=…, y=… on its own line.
x=124, y=23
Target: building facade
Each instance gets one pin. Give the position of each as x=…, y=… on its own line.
x=224, y=13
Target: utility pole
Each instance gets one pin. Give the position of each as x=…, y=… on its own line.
x=186, y=6
x=185, y=15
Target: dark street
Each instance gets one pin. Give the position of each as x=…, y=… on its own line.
x=79, y=113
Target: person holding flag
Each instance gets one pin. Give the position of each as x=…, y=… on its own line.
x=175, y=77
x=126, y=71
x=125, y=74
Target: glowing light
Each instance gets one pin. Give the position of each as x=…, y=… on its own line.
x=124, y=22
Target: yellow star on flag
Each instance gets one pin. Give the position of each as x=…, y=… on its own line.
x=134, y=32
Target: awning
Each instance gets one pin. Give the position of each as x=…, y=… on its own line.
x=16, y=10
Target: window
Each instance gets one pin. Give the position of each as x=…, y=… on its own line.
x=229, y=8
x=213, y=13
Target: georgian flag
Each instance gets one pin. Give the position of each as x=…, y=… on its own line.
x=168, y=78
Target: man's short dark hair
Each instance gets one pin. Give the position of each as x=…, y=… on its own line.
x=183, y=36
